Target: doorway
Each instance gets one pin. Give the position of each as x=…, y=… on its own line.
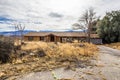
x=52, y=38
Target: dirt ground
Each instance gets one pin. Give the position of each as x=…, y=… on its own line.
x=107, y=67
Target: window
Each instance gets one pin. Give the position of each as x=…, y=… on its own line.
x=41, y=38
x=30, y=38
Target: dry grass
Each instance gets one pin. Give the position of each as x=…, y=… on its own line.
x=62, y=49
x=114, y=45
x=57, y=55
x=34, y=45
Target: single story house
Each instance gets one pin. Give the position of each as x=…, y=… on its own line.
x=61, y=37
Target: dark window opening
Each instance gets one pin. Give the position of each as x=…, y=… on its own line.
x=41, y=38
x=52, y=38
x=60, y=39
x=30, y=38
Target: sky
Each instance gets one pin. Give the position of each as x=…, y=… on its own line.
x=49, y=14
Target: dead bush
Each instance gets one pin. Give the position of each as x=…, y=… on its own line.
x=6, y=47
x=40, y=53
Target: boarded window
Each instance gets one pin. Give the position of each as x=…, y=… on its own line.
x=30, y=38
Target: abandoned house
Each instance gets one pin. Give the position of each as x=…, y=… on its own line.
x=61, y=37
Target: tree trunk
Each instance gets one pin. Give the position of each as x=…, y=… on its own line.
x=89, y=31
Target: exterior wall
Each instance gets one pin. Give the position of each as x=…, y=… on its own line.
x=96, y=40
x=57, y=39
x=64, y=39
x=25, y=38
x=37, y=38
x=72, y=39
x=47, y=39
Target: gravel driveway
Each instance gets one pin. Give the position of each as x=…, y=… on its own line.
x=107, y=67
x=108, y=50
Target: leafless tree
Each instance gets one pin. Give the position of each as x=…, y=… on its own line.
x=86, y=22
x=20, y=28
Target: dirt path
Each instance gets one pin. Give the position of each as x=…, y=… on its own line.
x=107, y=67
x=110, y=59
x=104, y=49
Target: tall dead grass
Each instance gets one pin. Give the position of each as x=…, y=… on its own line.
x=67, y=55
x=114, y=45
x=63, y=49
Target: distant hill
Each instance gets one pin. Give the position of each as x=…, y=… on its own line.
x=17, y=33
x=14, y=33
x=60, y=30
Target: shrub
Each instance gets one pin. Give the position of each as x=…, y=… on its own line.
x=6, y=47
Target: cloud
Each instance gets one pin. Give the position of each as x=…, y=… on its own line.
x=49, y=14
x=37, y=23
x=55, y=15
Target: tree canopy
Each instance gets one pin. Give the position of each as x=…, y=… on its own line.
x=109, y=27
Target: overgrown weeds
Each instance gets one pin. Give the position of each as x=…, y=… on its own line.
x=114, y=45
x=34, y=55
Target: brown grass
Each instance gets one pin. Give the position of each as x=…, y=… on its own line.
x=114, y=45
x=57, y=55
x=62, y=49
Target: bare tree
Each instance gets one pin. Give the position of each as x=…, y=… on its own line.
x=86, y=22
x=20, y=28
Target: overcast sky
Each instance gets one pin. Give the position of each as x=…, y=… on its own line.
x=49, y=14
